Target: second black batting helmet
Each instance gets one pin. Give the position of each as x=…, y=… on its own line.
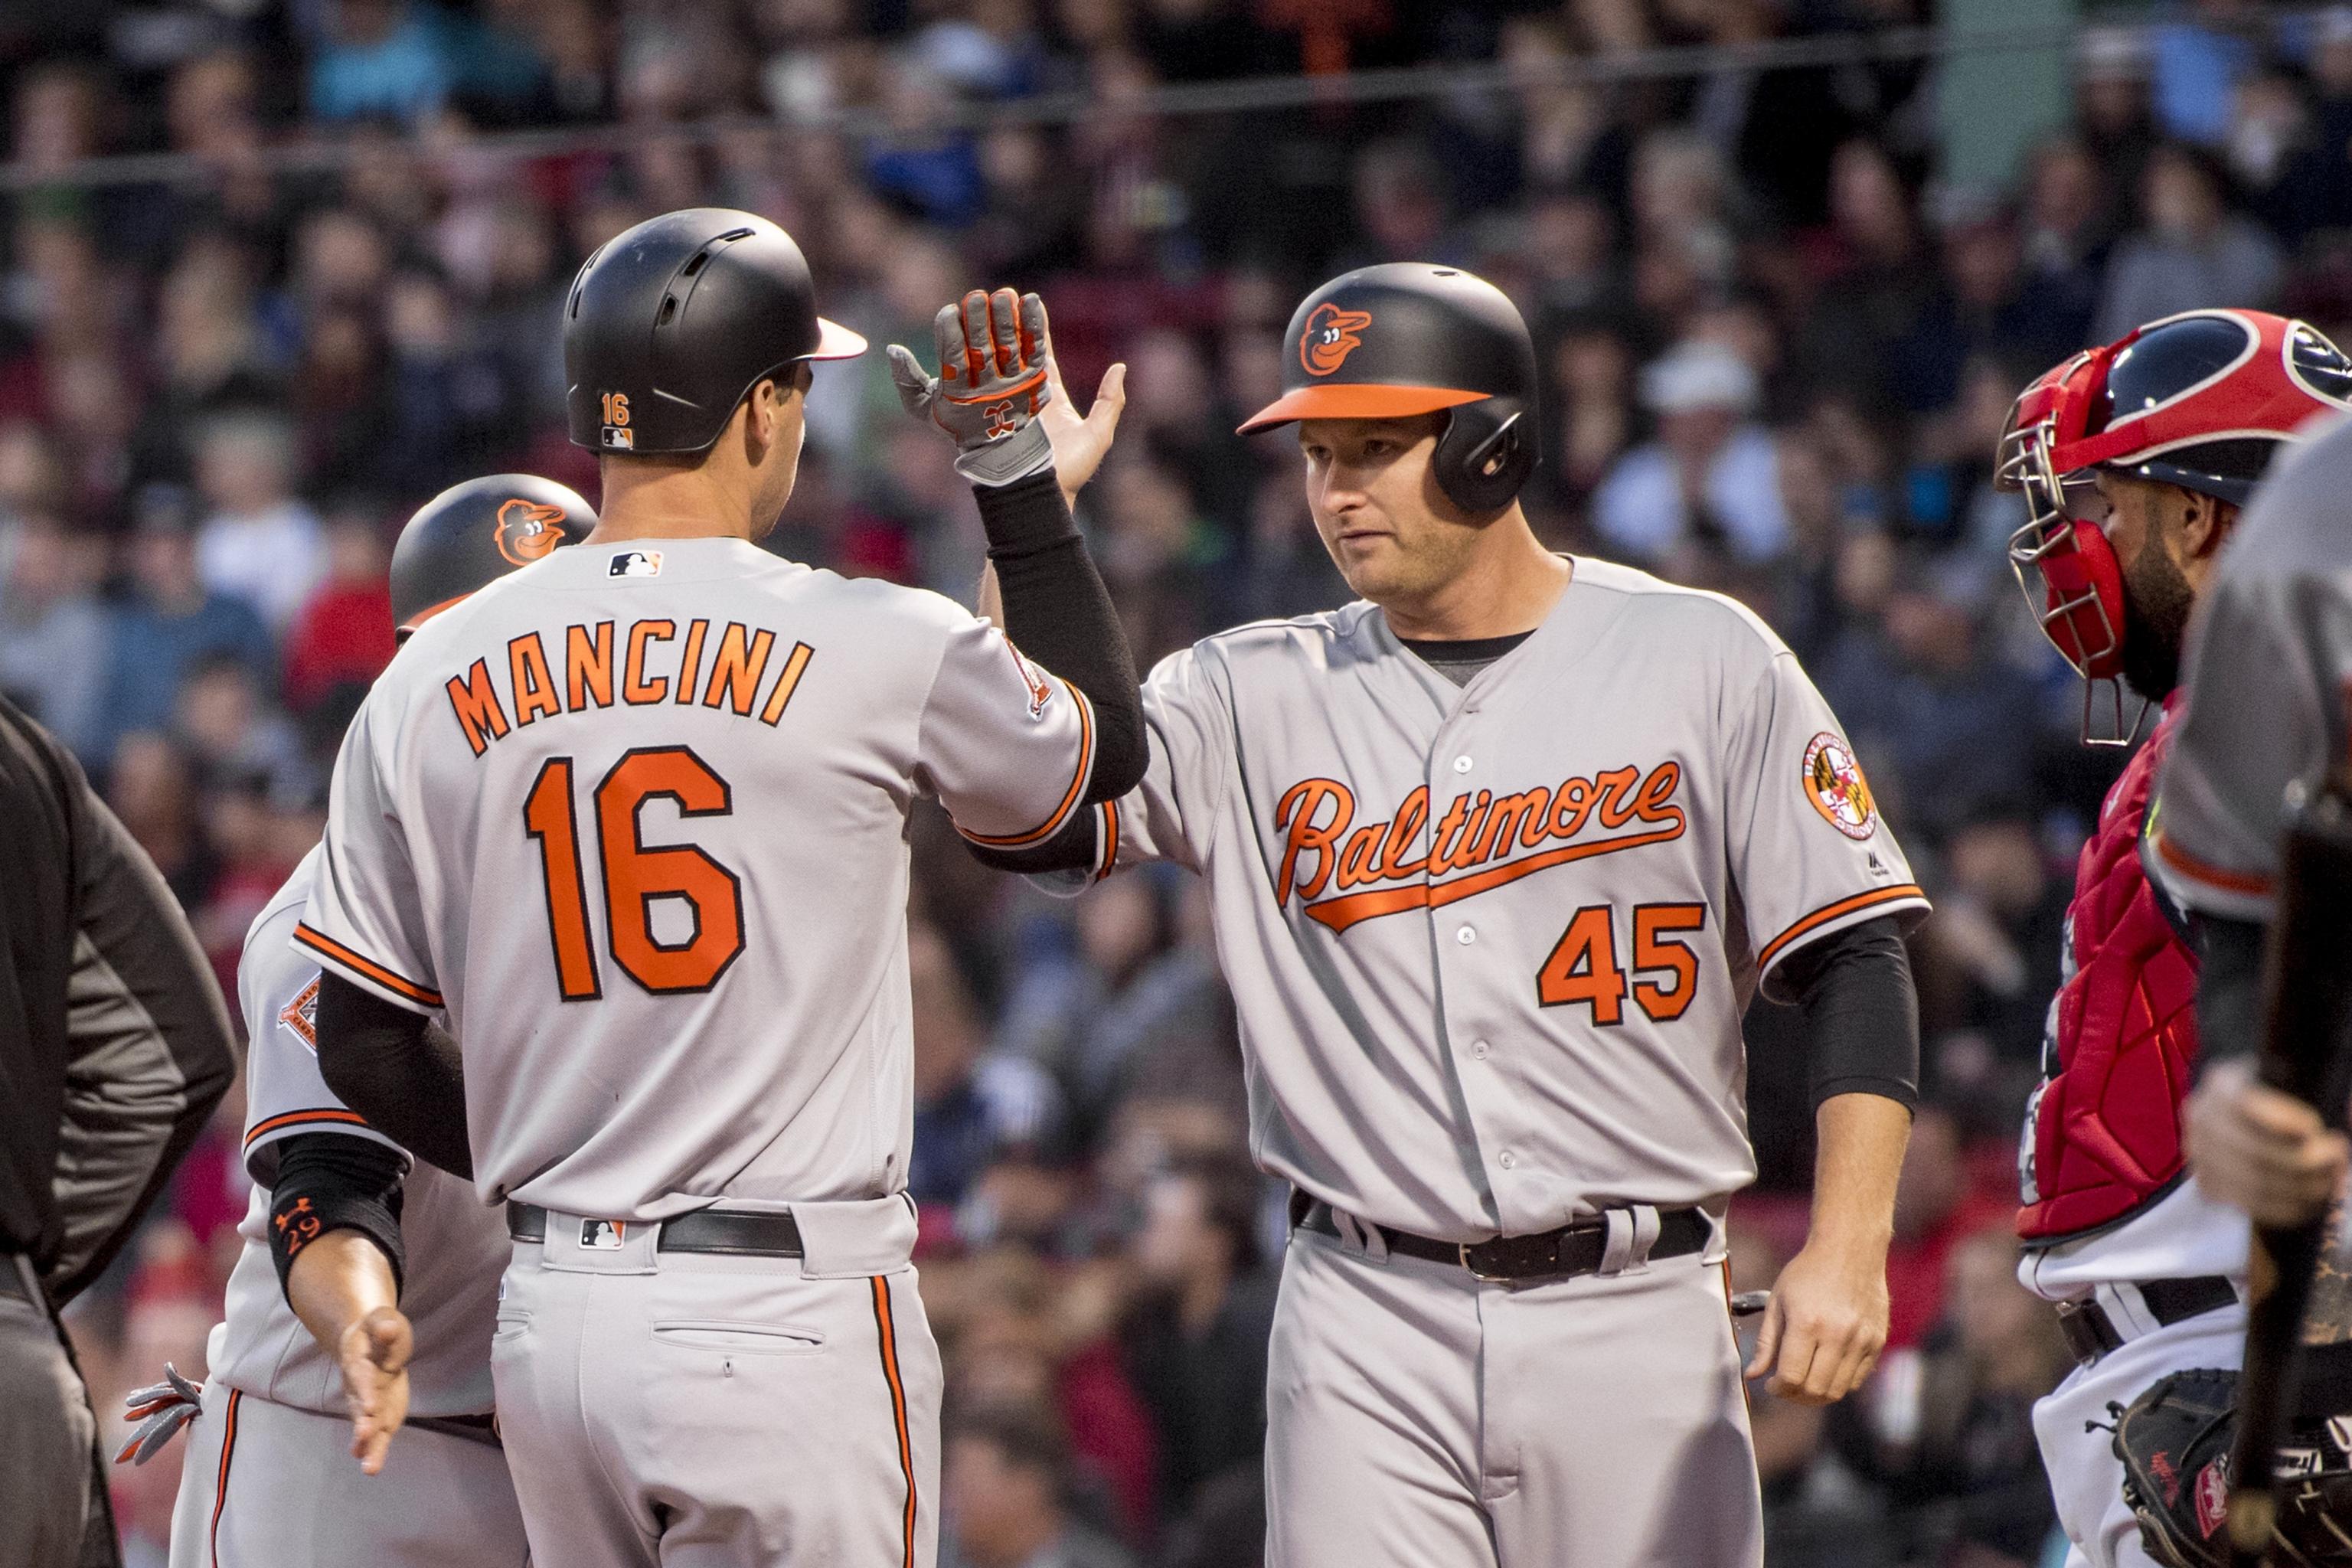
x=1405, y=338
x=470, y=535
x=669, y=324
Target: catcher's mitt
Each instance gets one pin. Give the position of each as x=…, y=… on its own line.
x=2174, y=1442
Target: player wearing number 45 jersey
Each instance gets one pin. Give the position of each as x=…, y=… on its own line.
x=1496, y=861
x=637, y=818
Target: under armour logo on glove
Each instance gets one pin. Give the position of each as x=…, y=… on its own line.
x=992, y=384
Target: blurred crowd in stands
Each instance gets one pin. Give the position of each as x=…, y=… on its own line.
x=1779, y=345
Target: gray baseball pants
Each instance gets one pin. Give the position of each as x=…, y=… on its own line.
x=53, y=1503
x=1419, y=1417
x=691, y=1410
x=265, y=1485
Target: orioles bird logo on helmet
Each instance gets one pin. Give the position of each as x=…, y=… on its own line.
x=528, y=530
x=1329, y=337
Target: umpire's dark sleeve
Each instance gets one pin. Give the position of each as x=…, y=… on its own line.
x=150, y=1049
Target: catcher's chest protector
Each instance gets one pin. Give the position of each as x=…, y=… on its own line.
x=2103, y=1133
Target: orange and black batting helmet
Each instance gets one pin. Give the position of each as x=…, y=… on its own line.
x=1406, y=338
x=470, y=535
x=671, y=323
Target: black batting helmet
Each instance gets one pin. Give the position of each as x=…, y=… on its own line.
x=470, y=535
x=671, y=322
x=1404, y=338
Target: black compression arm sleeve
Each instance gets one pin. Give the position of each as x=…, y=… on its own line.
x=332, y=1180
x=1862, y=1015
x=395, y=1069
x=1057, y=612
x=1071, y=850
x=2228, y=989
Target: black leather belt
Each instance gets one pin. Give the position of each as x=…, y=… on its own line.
x=1576, y=1248
x=744, y=1232
x=483, y=1430
x=2091, y=1333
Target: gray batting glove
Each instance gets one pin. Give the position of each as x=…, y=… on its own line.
x=991, y=382
x=160, y=1410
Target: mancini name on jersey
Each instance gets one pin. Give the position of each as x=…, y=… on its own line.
x=730, y=667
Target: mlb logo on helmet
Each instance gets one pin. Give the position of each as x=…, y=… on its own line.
x=619, y=439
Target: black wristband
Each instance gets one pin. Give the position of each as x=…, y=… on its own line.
x=1024, y=517
x=333, y=1181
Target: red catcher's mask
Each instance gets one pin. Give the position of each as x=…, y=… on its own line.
x=2201, y=400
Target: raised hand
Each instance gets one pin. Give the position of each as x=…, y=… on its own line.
x=1000, y=394
x=1079, y=444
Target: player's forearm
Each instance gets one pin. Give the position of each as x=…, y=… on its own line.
x=1861, y=1012
x=1860, y=1139
x=390, y=1065
x=335, y=1281
x=1057, y=612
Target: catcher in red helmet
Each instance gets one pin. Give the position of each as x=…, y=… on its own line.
x=2134, y=460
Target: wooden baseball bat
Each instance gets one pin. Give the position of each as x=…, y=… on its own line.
x=2306, y=1007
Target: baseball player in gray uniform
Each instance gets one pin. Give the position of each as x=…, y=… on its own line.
x=1497, y=860
x=342, y=1224
x=2268, y=671
x=637, y=820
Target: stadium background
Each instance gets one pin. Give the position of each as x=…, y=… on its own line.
x=276, y=270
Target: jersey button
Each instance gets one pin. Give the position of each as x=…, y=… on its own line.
x=1478, y=1049
x=1508, y=1159
x=1461, y=764
x=1466, y=936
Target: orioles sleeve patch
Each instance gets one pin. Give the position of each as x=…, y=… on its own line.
x=1833, y=782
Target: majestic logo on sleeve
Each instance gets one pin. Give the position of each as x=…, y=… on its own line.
x=528, y=531
x=1385, y=867
x=1833, y=782
x=300, y=1016
x=1331, y=337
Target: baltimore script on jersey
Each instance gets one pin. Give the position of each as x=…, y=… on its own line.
x=1471, y=832
x=737, y=669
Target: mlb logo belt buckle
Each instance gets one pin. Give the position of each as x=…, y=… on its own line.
x=603, y=1235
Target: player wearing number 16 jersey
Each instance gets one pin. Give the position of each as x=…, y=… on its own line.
x=637, y=818
x=1497, y=860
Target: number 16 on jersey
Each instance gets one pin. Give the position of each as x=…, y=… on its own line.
x=635, y=876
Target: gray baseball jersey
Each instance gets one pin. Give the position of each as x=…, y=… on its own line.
x=455, y=1249
x=637, y=816
x=1490, y=944
x=2268, y=670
